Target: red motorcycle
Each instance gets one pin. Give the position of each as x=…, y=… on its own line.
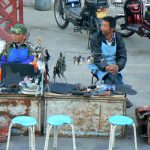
x=134, y=20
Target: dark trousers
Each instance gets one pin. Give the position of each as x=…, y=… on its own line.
x=113, y=79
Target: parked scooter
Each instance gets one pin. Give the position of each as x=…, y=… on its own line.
x=133, y=20
x=86, y=18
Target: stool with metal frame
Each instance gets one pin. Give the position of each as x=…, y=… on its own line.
x=25, y=121
x=56, y=121
x=120, y=121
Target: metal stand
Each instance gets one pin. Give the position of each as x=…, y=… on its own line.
x=42, y=69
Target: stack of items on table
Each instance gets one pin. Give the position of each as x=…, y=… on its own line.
x=104, y=89
x=22, y=78
x=93, y=90
x=27, y=86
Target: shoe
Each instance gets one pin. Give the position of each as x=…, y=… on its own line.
x=77, y=92
x=3, y=90
x=1, y=85
x=125, y=90
x=13, y=88
x=92, y=87
x=30, y=93
x=87, y=94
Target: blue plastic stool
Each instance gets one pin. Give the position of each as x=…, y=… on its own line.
x=25, y=121
x=120, y=121
x=56, y=121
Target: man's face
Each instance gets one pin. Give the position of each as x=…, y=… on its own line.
x=18, y=38
x=105, y=28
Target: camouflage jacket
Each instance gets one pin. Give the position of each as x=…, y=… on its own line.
x=11, y=45
x=32, y=50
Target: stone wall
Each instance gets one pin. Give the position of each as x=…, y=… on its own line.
x=90, y=115
x=13, y=105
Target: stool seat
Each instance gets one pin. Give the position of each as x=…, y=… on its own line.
x=26, y=121
x=58, y=120
x=120, y=120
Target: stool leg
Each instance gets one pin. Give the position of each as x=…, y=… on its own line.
x=110, y=139
x=47, y=136
x=31, y=138
x=8, y=138
x=73, y=137
x=55, y=137
x=135, y=138
x=113, y=137
x=33, y=135
x=30, y=147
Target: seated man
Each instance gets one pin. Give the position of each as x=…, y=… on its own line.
x=109, y=53
x=19, y=50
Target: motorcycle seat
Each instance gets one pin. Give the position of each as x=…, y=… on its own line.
x=147, y=16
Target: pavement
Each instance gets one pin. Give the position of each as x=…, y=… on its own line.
x=56, y=40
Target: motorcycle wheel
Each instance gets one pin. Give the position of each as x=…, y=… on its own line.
x=120, y=23
x=59, y=14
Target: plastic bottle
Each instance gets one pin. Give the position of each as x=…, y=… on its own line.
x=107, y=87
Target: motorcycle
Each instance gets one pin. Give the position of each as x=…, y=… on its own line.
x=133, y=19
x=87, y=18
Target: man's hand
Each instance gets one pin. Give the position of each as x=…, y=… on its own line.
x=113, y=68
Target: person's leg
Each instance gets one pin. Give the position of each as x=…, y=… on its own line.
x=117, y=79
x=93, y=68
x=96, y=71
x=113, y=79
x=107, y=79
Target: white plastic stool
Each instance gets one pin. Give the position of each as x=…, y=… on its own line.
x=56, y=121
x=25, y=121
x=120, y=121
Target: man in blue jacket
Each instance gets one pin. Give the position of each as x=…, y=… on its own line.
x=109, y=53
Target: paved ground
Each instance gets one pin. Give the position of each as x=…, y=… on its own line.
x=42, y=23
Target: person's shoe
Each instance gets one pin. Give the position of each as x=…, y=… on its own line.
x=125, y=89
x=1, y=85
x=77, y=92
x=87, y=94
x=92, y=87
x=129, y=104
